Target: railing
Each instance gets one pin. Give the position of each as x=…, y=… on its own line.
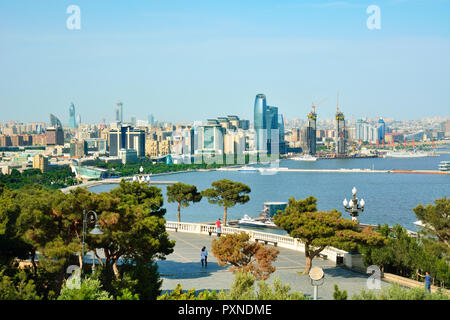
x=283, y=241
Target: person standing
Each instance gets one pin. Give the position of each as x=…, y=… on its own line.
x=204, y=257
x=219, y=227
x=427, y=280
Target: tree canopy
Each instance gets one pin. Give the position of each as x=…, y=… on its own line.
x=244, y=255
x=227, y=194
x=182, y=194
x=39, y=223
x=436, y=220
x=319, y=229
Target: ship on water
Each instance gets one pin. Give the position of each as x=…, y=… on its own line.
x=306, y=157
x=407, y=154
x=265, y=219
x=444, y=166
x=410, y=154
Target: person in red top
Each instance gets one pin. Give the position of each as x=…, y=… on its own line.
x=219, y=227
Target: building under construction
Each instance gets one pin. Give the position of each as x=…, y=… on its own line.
x=341, y=134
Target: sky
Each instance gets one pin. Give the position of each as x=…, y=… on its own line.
x=192, y=60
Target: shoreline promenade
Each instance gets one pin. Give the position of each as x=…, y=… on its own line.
x=183, y=266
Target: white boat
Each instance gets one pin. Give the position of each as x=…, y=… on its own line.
x=246, y=168
x=306, y=157
x=250, y=222
x=444, y=166
x=407, y=154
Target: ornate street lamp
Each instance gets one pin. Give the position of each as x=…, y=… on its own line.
x=92, y=216
x=354, y=206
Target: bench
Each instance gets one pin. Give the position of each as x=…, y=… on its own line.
x=275, y=243
x=173, y=228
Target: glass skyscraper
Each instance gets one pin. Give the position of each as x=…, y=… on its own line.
x=54, y=121
x=72, y=119
x=119, y=112
x=260, y=122
x=266, y=119
x=281, y=133
x=381, y=130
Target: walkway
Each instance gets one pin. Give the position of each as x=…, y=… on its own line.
x=183, y=266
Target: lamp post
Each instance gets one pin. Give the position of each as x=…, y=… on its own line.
x=96, y=231
x=354, y=206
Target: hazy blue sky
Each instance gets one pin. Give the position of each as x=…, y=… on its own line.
x=193, y=60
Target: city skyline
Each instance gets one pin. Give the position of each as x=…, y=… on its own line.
x=178, y=61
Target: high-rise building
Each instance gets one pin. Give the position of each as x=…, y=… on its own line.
x=119, y=112
x=72, y=120
x=211, y=138
x=381, y=130
x=5, y=140
x=78, y=148
x=340, y=138
x=234, y=143
x=311, y=136
x=282, y=143
x=151, y=120
x=133, y=120
x=265, y=122
x=54, y=121
x=40, y=162
x=54, y=136
x=272, y=126
x=126, y=137
x=260, y=122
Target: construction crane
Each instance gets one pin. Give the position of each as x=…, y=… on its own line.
x=316, y=105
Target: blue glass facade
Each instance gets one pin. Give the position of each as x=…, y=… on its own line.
x=381, y=130
x=260, y=122
x=72, y=121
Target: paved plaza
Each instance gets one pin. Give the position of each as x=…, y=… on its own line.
x=184, y=266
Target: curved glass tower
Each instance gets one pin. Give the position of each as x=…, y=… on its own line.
x=260, y=123
x=54, y=121
x=72, y=121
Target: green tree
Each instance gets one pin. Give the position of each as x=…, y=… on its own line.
x=142, y=278
x=17, y=287
x=244, y=255
x=400, y=254
x=90, y=289
x=319, y=229
x=338, y=294
x=244, y=288
x=12, y=245
x=132, y=220
x=182, y=194
x=279, y=291
x=178, y=294
x=436, y=220
x=126, y=294
x=405, y=255
x=396, y=292
x=227, y=194
x=46, y=232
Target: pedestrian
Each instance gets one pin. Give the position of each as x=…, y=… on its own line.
x=219, y=228
x=427, y=281
x=204, y=257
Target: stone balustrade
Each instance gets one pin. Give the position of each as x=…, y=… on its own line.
x=283, y=241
